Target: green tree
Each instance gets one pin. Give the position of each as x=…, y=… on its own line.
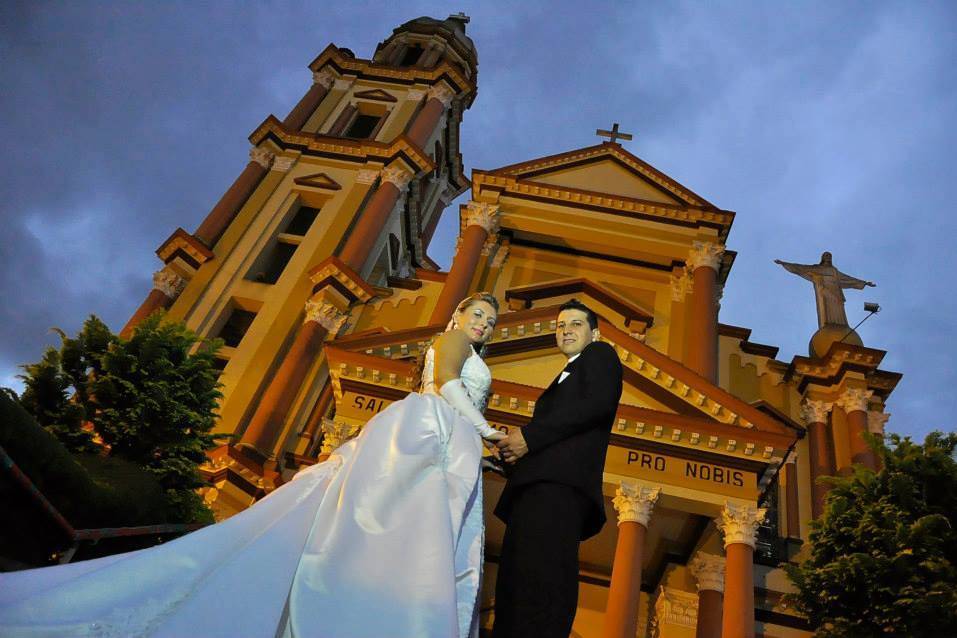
x=883, y=556
x=150, y=399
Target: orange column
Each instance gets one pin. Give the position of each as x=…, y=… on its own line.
x=300, y=114
x=634, y=503
x=437, y=100
x=266, y=423
x=311, y=431
x=166, y=287
x=708, y=571
x=854, y=402
x=819, y=444
x=233, y=199
x=478, y=221
x=739, y=523
x=704, y=261
x=365, y=233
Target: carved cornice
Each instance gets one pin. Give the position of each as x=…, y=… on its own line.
x=480, y=214
x=705, y=253
x=676, y=607
x=854, y=399
x=341, y=148
x=634, y=502
x=366, y=69
x=815, y=411
x=331, y=272
x=168, y=282
x=262, y=156
x=739, y=523
x=708, y=571
x=185, y=246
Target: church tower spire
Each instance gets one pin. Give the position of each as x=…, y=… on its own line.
x=336, y=205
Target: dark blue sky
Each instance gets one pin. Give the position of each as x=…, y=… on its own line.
x=825, y=126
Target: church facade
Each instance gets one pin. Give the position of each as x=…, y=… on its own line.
x=312, y=268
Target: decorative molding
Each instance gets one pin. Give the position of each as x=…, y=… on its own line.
x=854, y=399
x=501, y=256
x=680, y=285
x=326, y=315
x=366, y=175
x=168, y=282
x=480, y=214
x=708, y=570
x=676, y=607
x=262, y=156
x=634, y=502
x=334, y=434
x=318, y=180
x=739, y=523
x=876, y=421
x=398, y=176
x=705, y=253
x=324, y=78
x=815, y=411
x=442, y=93
x=342, y=84
x=375, y=94
x=283, y=164
x=414, y=95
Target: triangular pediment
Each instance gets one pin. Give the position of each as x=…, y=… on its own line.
x=376, y=94
x=607, y=169
x=318, y=180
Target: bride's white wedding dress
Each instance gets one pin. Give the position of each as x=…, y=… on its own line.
x=383, y=540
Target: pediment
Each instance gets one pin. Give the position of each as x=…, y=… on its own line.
x=318, y=180
x=606, y=169
x=376, y=94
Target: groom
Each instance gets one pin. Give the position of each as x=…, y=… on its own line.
x=552, y=500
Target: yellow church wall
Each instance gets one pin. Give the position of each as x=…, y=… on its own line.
x=842, y=450
x=281, y=303
x=676, y=327
x=740, y=378
x=200, y=282
x=405, y=309
x=590, y=615
x=609, y=177
x=333, y=99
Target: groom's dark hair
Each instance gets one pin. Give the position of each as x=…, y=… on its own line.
x=574, y=304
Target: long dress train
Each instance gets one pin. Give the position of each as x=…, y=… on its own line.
x=384, y=539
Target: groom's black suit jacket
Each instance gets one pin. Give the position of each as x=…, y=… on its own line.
x=568, y=434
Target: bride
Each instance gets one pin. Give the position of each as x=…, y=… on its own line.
x=382, y=540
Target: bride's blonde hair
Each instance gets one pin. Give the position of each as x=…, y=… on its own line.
x=463, y=305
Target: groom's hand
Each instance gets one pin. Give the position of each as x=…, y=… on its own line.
x=513, y=446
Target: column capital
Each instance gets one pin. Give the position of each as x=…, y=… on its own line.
x=442, y=93
x=335, y=433
x=366, y=175
x=634, y=502
x=852, y=399
x=708, y=570
x=876, y=421
x=680, y=285
x=705, y=253
x=325, y=314
x=676, y=607
x=343, y=84
x=813, y=411
x=397, y=175
x=168, y=282
x=262, y=156
x=739, y=523
x=481, y=214
x=324, y=78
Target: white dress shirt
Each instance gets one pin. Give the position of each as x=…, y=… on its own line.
x=564, y=375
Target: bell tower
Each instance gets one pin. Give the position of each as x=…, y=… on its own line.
x=333, y=211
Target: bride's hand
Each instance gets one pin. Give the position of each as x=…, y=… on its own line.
x=497, y=435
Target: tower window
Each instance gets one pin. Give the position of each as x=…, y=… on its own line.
x=270, y=268
x=236, y=326
x=363, y=126
x=302, y=220
x=412, y=55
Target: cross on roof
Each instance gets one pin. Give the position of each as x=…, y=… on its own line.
x=613, y=134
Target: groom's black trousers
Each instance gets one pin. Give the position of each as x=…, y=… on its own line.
x=536, y=590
